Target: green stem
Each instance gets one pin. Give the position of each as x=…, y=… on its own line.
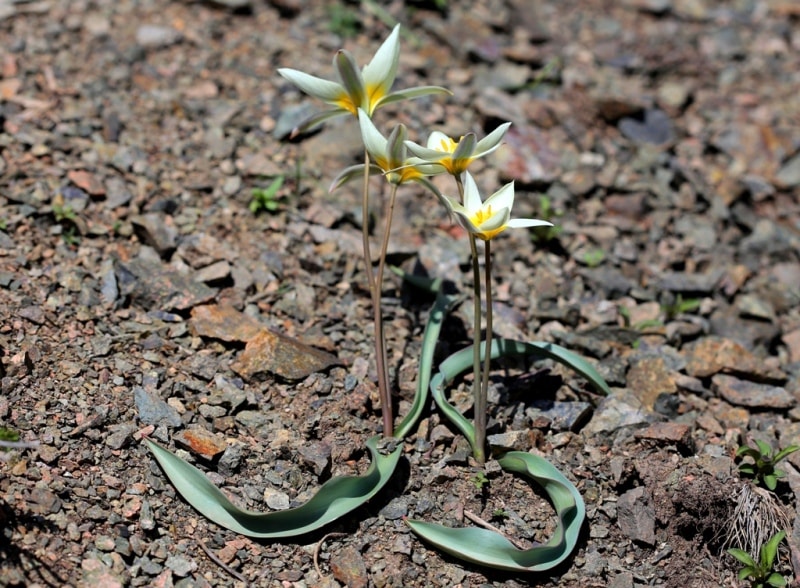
x=381, y=357
x=479, y=401
x=480, y=436
x=375, y=294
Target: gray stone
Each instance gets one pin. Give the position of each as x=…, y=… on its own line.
x=788, y=175
x=153, y=410
x=151, y=36
x=636, y=516
x=750, y=394
x=656, y=128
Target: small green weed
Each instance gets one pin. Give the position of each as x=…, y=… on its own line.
x=479, y=480
x=764, y=459
x=343, y=21
x=680, y=306
x=266, y=198
x=760, y=572
x=548, y=213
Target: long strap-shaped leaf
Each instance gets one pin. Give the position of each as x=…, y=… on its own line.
x=444, y=302
x=491, y=549
x=335, y=498
x=462, y=360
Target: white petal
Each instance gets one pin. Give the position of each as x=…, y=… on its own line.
x=312, y=85
x=472, y=198
x=374, y=142
x=436, y=139
x=381, y=71
x=424, y=152
x=465, y=222
x=497, y=220
x=503, y=198
x=521, y=223
x=491, y=141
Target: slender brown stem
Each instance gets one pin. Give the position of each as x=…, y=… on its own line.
x=375, y=293
x=381, y=357
x=487, y=353
x=479, y=401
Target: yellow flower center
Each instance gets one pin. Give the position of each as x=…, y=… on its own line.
x=447, y=145
x=482, y=215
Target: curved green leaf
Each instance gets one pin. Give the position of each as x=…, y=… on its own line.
x=334, y=499
x=491, y=549
x=441, y=307
x=462, y=360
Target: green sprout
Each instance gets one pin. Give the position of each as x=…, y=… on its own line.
x=546, y=212
x=500, y=513
x=479, y=480
x=593, y=257
x=760, y=571
x=7, y=434
x=343, y=21
x=64, y=212
x=764, y=460
x=680, y=306
x=266, y=198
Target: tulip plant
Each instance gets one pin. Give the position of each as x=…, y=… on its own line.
x=401, y=162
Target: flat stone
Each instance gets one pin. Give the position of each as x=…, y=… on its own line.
x=153, y=410
x=283, y=356
x=649, y=378
x=614, y=413
x=154, y=285
x=792, y=342
x=636, y=516
x=510, y=441
x=677, y=433
x=712, y=355
x=156, y=37
x=223, y=322
x=788, y=175
x=750, y=394
x=655, y=128
x=155, y=230
x=348, y=567
x=201, y=442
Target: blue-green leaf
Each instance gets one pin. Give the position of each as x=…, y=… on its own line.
x=491, y=549
x=334, y=499
x=444, y=302
x=462, y=360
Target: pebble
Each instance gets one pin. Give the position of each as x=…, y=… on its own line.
x=655, y=128
x=636, y=516
x=750, y=394
x=152, y=410
x=151, y=36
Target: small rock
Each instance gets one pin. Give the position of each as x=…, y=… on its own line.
x=788, y=175
x=281, y=355
x=669, y=432
x=656, y=128
x=153, y=410
x=95, y=573
x=276, y=499
x=396, y=509
x=180, y=565
x=712, y=355
x=750, y=394
x=154, y=229
x=201, y=442
x=636, y=516
x=156, y=37
x=348, y=567
x=649, y=378
x=510, y=441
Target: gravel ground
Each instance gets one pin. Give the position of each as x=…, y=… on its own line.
x=661, y=136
